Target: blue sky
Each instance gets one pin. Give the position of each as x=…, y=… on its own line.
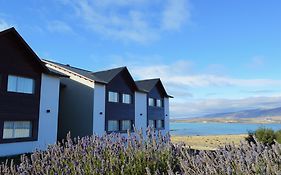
x=213, y=56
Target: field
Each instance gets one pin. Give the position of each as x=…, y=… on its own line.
x=208, y=142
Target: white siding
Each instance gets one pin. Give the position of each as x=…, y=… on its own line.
x=47, y=128
x=49, y=100
x=167, y=112
x=141, y=108
x=99, y=109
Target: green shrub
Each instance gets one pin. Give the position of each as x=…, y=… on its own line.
x=265, y=135
x=278, y=136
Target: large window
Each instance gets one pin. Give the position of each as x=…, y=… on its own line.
x=113, y=125
x=17, y=129
x=113, y=96
x=159, y=103
x=126, y=125
x=151, y=123
x=151, y=102
x=20, y=84
x=126, y=98
x=160, y=124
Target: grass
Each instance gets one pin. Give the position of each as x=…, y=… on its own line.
x=209, y=142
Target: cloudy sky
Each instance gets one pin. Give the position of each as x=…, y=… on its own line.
x=213, y=56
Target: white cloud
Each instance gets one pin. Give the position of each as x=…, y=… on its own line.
x=181, y=83
x=175, y=14
x=177, y=74
x=59, y=26
x=137, y=20
x=4, y=25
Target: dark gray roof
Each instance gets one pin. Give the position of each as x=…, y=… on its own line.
x=149, y=84
x=85, y=73
x=103, y=77
x=108, y=75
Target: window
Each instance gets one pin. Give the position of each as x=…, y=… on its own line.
x=160, y=124
x=17, y=129
x=126, y=98
x=126, y=125
x=159, y=103
x=151, y=102
x=113, y=96
x=151, y=123
x=20, y=84
x=113, y=125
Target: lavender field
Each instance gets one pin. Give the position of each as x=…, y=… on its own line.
x=115, y=154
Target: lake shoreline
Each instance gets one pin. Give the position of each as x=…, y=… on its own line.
x=215, y=128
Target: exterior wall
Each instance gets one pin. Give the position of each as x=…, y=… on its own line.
x=47, y=130
x=167, y=114
x=120, y=111
x=76, y=109
x=48, y=122
x=99, y=109
x=141, y=111
x=155, y=113
x=15, y=60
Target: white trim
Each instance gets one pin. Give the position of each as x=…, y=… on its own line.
x=72, y=75
x=166, y=112
x=99, y=109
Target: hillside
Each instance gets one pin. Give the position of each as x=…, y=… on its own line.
x=246, y=116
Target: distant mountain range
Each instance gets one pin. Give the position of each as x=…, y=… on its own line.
x=254, y=113
x=245, y=116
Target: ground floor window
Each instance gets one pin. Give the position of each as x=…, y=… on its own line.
x=17, y=129
x=119, y=125
x=113, y=125
x=160, y=124
x=151, y=123
x=126, y=125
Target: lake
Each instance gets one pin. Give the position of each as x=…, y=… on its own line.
x=216, y=128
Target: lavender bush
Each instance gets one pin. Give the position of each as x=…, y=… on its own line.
x=114, y=154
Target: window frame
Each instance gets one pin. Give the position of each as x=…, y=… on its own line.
x=162, y=124
x=160, y=102
x=149, y=100
x=125, y=130
x=17, y=83
x=118, y=126
x=148, y=124
x=14, y=128
x=117, y=95
x=127, y=95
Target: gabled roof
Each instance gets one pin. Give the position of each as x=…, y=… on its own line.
x=82, y=72
x=29, y=50
x=149, y=84
x=103, y=77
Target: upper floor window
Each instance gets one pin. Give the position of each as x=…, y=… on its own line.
x=113, y=125
x=126, y=98
x=17, y=129
x=160, y=124
x=113, y=96
x=126, y=125
x=151, y=102
x=159, y=103
x=20, y=84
